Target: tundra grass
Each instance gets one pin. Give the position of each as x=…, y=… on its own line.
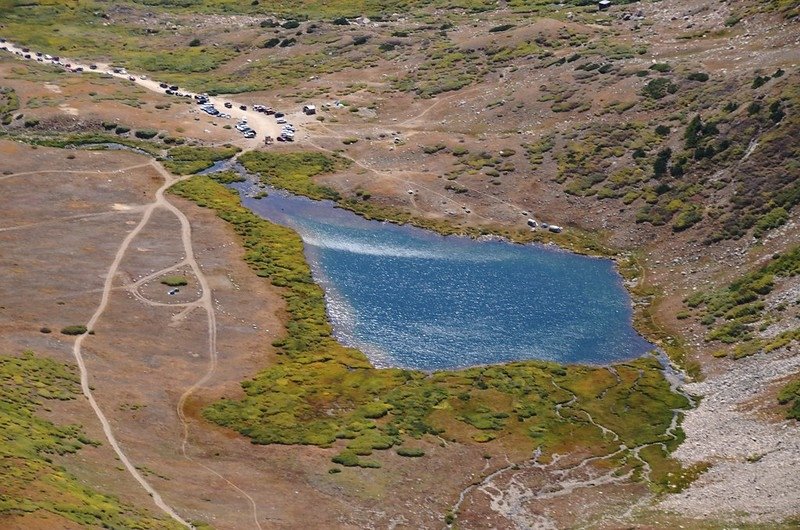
x=9, y=102
x=790, y=395
x=29, y=444
x=186, y=160
x=322, y=393
x=732, y=314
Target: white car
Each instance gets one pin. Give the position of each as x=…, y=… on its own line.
x=281, y=120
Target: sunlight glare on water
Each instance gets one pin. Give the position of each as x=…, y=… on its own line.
x=413, y=299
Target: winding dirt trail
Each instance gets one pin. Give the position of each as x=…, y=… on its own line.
x=84, y=373
x=205, y=301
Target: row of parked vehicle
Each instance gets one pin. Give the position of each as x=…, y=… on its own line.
x=287, y=131
x=42, y=57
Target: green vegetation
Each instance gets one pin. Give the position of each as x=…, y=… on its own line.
x=174, y=281
x=632, y=162
x=146, y=134
x=293, y=171
x=321, y=393
x=502, y=27
x=445, y=68
x=790, y=395
x=698, y=76
x=658, y=88
x=88, y=139
x=74, y=330
x=9, y=103
x=411, y=452
x=227, y=177
x=537, y=150
x=29, y=444
x=732, y=313
x=186, y=160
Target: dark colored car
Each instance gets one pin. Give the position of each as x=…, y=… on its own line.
x=163, y=85
x=228, y=105
x=279, y=114
x=242, y=107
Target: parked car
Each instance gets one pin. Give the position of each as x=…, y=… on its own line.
x=242, y=107
x=228, y=105
x=279, y=114
x=163, y=85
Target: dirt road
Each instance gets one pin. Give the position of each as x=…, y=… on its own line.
x=263, y=124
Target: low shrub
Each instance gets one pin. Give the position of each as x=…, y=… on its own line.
x=658, y=88
x=146, y=134
x=661, y=67
x=411, y=452
x=174, y=281
x=698, y=76
x=501, y=27
x=74, y=330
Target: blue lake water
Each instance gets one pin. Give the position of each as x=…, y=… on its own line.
x=413, y=299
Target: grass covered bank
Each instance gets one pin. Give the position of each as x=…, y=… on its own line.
x=32, y=482
x=294, y=172
x=325, y=394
